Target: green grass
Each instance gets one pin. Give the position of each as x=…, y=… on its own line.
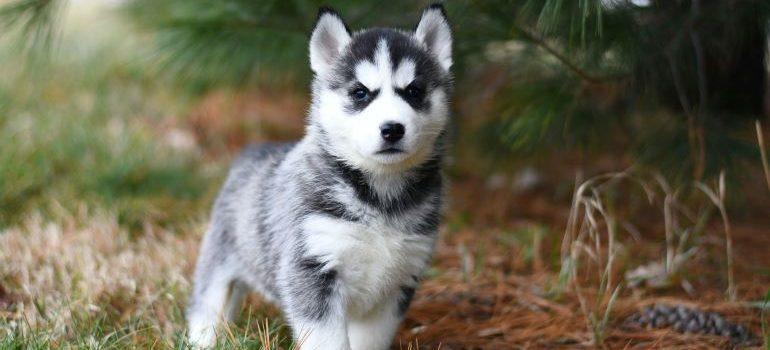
x=251, y=332
x=69, y=159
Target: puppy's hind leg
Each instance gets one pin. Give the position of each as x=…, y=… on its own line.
x=214, y=277
x=238, y=292
x=205, y=311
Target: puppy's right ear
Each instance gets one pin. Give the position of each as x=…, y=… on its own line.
x=329, y=37
x=433, y=31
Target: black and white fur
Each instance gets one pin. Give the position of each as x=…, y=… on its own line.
x=338, y=228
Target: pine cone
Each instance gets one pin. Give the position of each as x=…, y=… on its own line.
x=688, y=320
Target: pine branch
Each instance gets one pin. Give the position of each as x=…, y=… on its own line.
x=35, y=22
x=562, y=58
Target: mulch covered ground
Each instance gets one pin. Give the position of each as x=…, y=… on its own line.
x=483, y=293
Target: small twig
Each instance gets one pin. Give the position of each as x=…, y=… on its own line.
x=668, y=217
x=539, y=41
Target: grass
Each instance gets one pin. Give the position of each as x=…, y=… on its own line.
x=592, y=224
x=718, y=198
x=93, y=282
x=94, y=286
x=72, y=159
x=591, y=245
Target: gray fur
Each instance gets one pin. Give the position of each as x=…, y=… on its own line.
x=280, y=205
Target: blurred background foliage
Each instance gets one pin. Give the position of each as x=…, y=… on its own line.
x=568, y=85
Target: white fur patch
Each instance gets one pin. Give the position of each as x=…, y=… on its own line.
x=376, y=330
x=322, y=335
x=371, y=261
x=404, y=73
x=369, y=75
x=204, y=319
x=378, y=74
x=382, y=61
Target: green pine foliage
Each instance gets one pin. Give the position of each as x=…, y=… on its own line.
x=673, y=85
x=35, y=21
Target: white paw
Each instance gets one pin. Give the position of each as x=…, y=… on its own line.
x=201, y=337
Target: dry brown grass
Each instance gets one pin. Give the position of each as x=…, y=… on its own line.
x=718, y=197
x=763, y=152
x=54, y=275
x=590, y=246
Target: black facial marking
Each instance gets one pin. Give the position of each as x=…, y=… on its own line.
x=363, y=47
x=407, y=293
x=414, y=95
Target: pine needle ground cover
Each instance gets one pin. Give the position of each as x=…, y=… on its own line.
x=107, y=173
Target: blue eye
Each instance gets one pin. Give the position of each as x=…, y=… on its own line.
x=360, y=93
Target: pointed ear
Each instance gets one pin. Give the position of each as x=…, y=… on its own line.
x=433, y=31
x=330, y=35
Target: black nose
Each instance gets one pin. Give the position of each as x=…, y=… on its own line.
x=392, y=132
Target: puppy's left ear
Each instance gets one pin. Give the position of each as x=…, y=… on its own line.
x=329, y=37
x=433, y=31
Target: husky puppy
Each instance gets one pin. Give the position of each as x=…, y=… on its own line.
x=338, y=228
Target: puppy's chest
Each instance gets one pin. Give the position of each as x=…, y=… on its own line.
x=372, y=259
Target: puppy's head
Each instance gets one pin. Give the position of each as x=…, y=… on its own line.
x=380, y=96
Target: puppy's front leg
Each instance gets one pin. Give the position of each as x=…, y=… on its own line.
x=314, y=306
x=375, y=331
x=329, y=333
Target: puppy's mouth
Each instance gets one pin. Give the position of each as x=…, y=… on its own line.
x=390, y=150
